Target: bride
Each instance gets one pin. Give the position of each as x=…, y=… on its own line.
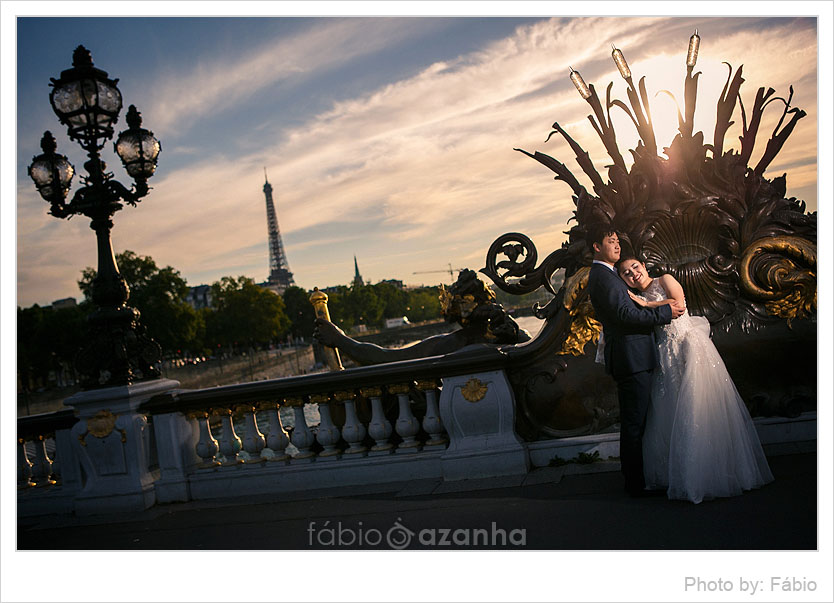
x=700, y=442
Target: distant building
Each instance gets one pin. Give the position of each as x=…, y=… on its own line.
x=393, y=283
x=67, y=302
x=199, y=297
x=280, y=277
x=357, y=278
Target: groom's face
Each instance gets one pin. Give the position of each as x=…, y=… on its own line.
x=608, y=250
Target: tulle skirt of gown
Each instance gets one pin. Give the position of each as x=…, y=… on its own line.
x=700, y=442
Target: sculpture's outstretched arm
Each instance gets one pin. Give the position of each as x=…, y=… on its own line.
x=363, y=352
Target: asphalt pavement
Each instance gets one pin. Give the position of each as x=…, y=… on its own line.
x=555, y=508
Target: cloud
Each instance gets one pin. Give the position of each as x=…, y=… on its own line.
x=218, y=83
x=421, y=171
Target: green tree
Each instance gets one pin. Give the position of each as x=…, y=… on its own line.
x=47, y=341
x=394, y=301
x=372, y=304
x=423, y=304
x=300, y=312
x=245, y=315
x=159, y=295
x=351, y=306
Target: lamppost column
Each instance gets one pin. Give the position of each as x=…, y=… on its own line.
x=109, y=287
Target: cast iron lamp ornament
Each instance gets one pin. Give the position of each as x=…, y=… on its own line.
x=88, y=103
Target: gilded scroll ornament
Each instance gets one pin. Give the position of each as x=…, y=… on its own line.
x=474, y=390
x=584, y=327
x=781, y=272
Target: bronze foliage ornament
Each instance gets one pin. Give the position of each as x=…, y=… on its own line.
x=695, y=213
x=744, y=253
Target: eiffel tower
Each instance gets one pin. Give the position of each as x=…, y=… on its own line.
x=280, y=276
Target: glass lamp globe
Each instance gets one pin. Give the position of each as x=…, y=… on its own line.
x=137, y=147
x=86, y=100
x=52, y=173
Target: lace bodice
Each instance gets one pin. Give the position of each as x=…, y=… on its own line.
x=656, y=292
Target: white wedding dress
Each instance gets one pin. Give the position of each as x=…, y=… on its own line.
x=700, y=442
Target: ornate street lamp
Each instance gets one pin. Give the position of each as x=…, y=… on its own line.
x=51, y=172
x=88, y=103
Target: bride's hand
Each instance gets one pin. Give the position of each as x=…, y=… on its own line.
x=639, y=300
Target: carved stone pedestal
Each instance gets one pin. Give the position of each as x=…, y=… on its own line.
x=112, y=444
x=478, y=412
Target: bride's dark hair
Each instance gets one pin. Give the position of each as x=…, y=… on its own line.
x=625, y=258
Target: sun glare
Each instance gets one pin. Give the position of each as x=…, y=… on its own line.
x=665, y=73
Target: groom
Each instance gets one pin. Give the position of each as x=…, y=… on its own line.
x=630, y=350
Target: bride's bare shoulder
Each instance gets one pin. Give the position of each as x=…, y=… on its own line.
x=668, y=279
x=671, y=286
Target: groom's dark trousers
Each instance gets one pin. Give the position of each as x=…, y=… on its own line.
x=630, y=358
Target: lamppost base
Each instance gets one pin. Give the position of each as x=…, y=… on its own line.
x=118, y=351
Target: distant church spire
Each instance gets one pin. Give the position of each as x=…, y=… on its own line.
x=280, y=276
x=357, y=278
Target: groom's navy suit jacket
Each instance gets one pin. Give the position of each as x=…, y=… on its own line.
x=628, y=328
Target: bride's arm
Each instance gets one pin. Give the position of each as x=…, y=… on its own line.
x=673, y=288
x=646, y=303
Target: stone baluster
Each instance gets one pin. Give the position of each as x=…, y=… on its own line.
x=353, y=432
x=24, y=466
x=379, y=428
x=57, y=471
x=206, y=444
x=253, y=439
x=276, y=439
x=328, y=434
x=407, y=425
x=42, y=465
x=431, y=422
x=302, y=438
x=229, y=442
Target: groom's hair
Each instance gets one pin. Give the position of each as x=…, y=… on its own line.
x=596, y=234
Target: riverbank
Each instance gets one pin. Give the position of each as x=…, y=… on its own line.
x=265, y=364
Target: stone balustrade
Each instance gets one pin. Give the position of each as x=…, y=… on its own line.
x=447, y=417
x=47, y=471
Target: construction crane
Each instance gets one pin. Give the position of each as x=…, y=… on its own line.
x=451, y=271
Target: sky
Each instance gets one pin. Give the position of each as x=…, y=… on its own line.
x=386, y=138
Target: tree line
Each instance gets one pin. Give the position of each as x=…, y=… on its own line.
x=243, y=316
